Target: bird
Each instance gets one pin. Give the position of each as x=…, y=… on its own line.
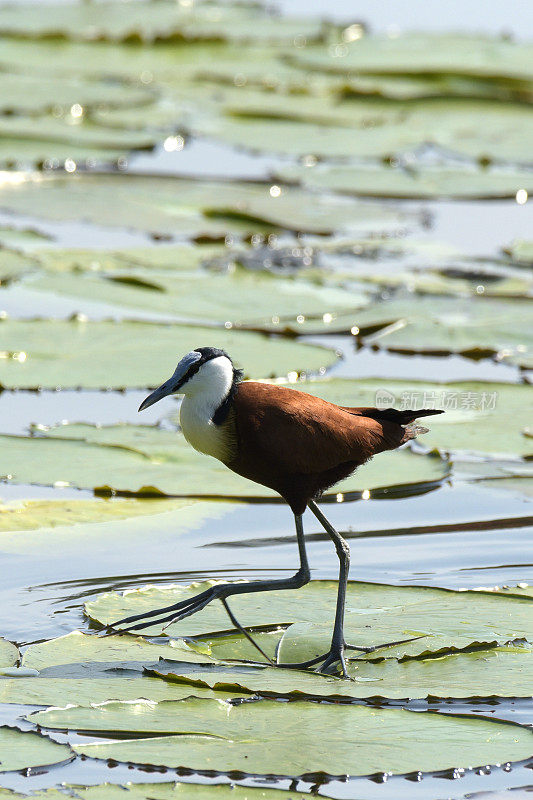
x=295, y=443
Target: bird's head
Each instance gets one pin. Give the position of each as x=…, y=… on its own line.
x=203, y=369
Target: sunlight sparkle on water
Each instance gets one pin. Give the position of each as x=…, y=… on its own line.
x=275, y=191
x=521, y=197
x=174, y=143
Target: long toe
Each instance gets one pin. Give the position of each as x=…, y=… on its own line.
x=380, y=646
x=334, y=661
x=156, y=612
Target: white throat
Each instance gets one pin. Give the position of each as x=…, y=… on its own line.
x=203, y=394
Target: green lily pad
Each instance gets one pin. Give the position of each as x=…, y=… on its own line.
x=28, y=515
x=423, y=53
x=333, y=739
x=241, y=298
x=157, y=20
x=44, y=691
x=376, y=614
x=9, y=654
x=179, y=206
x=478, y=327
x=14, y=265
x=473, y=410
x=77, y=646
x=159, y=791
x=26, y=749
x=21, y=239
x=504, y=672
x=164, y=257
x=521, y=252
x=288, y=124
x=28, y=140
x=94, y=355
x=38, y=92
x=136, y=458
x=414, y=182
x=236, y=646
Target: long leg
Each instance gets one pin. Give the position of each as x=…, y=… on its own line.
x=185, y=608
x=343, y=553
x=338, y=645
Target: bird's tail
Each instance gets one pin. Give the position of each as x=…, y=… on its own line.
x=412, y=429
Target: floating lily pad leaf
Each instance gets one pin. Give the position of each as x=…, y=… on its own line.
x=458, y=280
x=44, y=691
x=24, y=750
x=157, y=20
x=173, y=206
x=159, y=791
x=9, y=654
x=337, y=740
x=76, y=647
x=30, y=515
x=22, y=239
x=486, y=673
x=34, y=140
x=29, y=94
x=521, y=252
x=423, y=53
x=241, y=298
x=472, y=327
x=130, y=458
x=237, y=646
x=375, y=614
x=522, y=487
x=425, y=182
x=94, y=355
x=14, y=265
x=303, y=641
x=171, y=257
x=472, y=410
x=352, y=128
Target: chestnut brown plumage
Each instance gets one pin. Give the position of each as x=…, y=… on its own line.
x=296, y=444
x=300, y=445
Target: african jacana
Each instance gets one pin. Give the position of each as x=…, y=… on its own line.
x=290, y=441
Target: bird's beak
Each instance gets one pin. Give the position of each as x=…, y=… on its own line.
x=174, y=383
x=165, y=389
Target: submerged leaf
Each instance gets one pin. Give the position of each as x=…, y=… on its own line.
x=256, y=737
x=375, y=614
x=27, y=749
